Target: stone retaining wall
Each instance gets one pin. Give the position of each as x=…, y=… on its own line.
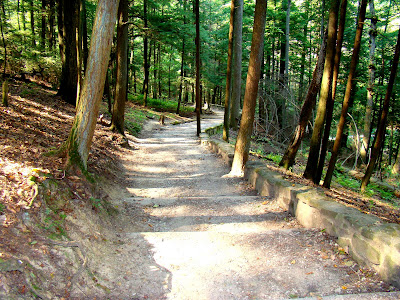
x=368, y=239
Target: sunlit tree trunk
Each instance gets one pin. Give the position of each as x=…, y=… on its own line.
x=117, y=121
x=315, y=142
x=370, y=89
x=250, y=97
x=347, y=101
x=237, y=64
x=81, y=134
x=225, y=134
x=380, y=134
x=332, y=93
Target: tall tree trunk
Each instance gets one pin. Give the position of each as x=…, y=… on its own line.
x=225, y=134
x=380, y=134
x=347, y=101
x=117, y=122
x=81, y=134
x=32, y=14
x=2, y=17
x=70, y=49
x=371, y=83
x=145, y=56
x=250, y=97
x=237, y=64
x=43, y=32
x=288, y=158
x=315, y=142
x=51, y=20
x=332, y=93
x=198, y=96
x=182, y=77
x=85, y=48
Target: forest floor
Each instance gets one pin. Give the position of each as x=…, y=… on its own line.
x=159, y=223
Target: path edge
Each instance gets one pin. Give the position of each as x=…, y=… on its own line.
x=369, y=240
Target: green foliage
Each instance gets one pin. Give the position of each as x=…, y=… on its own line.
x=160, y=105
x=54, y=223
x=2, y=207
x=134, y=120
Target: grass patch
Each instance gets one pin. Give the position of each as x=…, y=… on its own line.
x=134, y=120
x=161, y=105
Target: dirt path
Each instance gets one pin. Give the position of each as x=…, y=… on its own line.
x=185, y=232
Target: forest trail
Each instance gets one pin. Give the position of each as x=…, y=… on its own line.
x=185, y=232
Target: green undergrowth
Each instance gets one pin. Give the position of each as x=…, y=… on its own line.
x=161, y=104
x=135, y=119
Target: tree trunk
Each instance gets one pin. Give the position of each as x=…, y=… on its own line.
x=306, y=110
x=81, y=134
x=51, y=35
x=198, y=96
x=371, y=83
x=145, y=56
x=43, y=32
x=225, y=134
x=4, y=96
x=380, y=134
x=315, y=142
x=85, y=47
x=237, y=64
x=332, y=93
x=250, y=98
x=69, y=43
x=32, y=14
x=117, y=122
x=347, y=101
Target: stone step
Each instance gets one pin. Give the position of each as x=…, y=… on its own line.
x=278, y=264
x=218, y=214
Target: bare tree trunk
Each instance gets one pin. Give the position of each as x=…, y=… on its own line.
x=237, y=64
x=32, y=15
x=145, y=56
x=43, y=32
x=347, y=101
x=288, y=158
x=117, y=122
x=371, y=83
x=51, y=20
x=70, y=32
x=332, y=93
x=250, y=97
x=81, y=134
x=225, y=134
x=315, y=143
x=85, y=47
x=380, y=134
x=198, y=96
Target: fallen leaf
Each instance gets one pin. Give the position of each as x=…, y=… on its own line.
x=309, y=273
x=293, y=262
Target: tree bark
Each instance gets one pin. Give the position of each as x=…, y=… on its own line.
x=85, y=48
x=117, y=121
x=332, y=93
x=145, y=56
x=347, y=101
x=32, y=14
x=249, y=104
x=81, y=134
x=371, y=83
x=315, y=142
x=198, y=96
x=380, y=134
x=70, y=49
x=237, y=64
x=225, y=133
x=43, y=32
x=288, y=158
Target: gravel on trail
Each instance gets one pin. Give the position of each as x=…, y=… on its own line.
x=186, y=232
